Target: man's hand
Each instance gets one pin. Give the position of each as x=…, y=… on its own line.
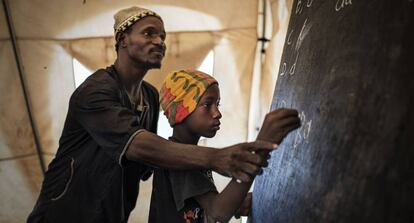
x=241, y=160
x=277, y=124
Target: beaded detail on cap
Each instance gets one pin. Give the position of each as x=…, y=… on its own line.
x=127, y=17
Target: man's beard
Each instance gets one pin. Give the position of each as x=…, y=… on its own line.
x=152, y=65
x=147, y=64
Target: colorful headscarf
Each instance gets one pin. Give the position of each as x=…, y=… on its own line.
x=181, y=92
x=127, y=17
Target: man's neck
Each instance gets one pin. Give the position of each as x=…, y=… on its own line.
x=130, y=73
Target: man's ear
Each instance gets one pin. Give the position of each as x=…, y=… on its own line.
x=122, y=40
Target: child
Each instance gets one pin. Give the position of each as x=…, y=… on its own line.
x=190, y=100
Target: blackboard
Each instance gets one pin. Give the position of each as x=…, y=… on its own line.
x=348, y=68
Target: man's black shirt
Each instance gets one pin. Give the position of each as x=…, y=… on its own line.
x=89, y=180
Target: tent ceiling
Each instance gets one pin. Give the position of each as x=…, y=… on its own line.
x=92, y=18
x=4, y=33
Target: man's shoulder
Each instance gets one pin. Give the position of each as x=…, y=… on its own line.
x=98, y=83
x=100, y=77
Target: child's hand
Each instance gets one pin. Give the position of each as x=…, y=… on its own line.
x=245, y=207
x=278, y=124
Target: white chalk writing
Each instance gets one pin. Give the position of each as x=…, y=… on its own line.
x=293, y=67
x=302, y=134
x=340, y=4
x=289, y=40
x=300, y=5
x=303, y=32
x=283, y=68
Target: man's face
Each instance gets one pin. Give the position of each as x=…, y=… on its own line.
x=205, y=119
x=145, y=42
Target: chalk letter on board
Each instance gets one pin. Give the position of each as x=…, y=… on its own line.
x=292, y=69
x=299, y=7
x=283, y=69
x=289, y=40
x=303, y=32
x=340, y=4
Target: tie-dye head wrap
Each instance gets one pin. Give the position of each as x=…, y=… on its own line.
x=181, y=91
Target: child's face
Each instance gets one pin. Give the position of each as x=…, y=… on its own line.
x=205, y=119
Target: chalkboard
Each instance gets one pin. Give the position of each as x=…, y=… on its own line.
x=347, y=67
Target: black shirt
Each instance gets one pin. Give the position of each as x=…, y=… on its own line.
x=173, y=193
x=89, y=180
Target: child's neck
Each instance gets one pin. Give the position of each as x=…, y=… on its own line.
x=182, y=136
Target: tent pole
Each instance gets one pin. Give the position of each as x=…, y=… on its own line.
x=253, y=124
x=22, y=81
x=263, y=39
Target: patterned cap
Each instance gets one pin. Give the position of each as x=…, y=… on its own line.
x=127, y=17
x=181, y=92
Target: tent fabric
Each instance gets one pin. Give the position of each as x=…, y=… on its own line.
x=266, y=71
x=92, y=18
x=19, y=185
x=50, y=34
x=233, y=66
x=16, y=137
x=270, y=68
x=4, y=32
x=20, y=171
x=50, y=82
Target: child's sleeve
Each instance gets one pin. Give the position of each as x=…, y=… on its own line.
x=188, y=184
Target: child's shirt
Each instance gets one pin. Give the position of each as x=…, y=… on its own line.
x=173, y=195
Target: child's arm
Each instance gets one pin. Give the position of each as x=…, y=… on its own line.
x=246, y=207
x=221, y=207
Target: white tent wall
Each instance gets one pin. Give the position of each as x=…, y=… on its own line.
x=233, y=66
x=20, y=172
x=50, y=82
x=270, y=68
x=51, y=33
x=16, y=138
x=94, y=53
x=74, y=19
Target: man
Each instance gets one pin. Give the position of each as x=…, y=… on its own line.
x=109, y=143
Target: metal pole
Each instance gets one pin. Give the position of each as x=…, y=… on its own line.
x=263, y=39
x=22, y=81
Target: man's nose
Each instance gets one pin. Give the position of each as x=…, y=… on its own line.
x=157, y=40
